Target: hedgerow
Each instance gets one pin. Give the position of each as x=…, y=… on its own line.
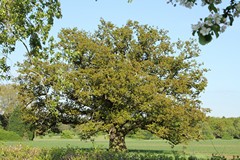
x=71, y=153
x=9, y=135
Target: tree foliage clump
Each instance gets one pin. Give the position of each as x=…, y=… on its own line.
x=117, y=80
x=8, y=98
x=23, y=20
x=8, y=101
x=17, y=125
x=9, y=136
x=224, y=128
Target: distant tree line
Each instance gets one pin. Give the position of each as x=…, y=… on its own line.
x=213, y=128
x=224, y=128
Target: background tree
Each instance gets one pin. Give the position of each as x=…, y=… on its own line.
x=236, y=124
x=40, y=94
x=224, y=128
x=8, y=101
x=218, y=127
x=207, y=131
x=117, y=80
x=25, y=20
x=17, y=125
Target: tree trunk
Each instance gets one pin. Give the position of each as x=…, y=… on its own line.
x=116, y=140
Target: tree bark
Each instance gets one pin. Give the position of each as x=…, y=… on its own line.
x=117, y=140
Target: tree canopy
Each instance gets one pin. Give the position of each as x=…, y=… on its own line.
x=25, y=20
x=116, y=80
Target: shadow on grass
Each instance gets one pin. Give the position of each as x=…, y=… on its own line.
x=154, y=151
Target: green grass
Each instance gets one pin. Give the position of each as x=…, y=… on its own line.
x=201, y=149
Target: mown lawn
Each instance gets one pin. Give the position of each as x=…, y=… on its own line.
x=202, y=149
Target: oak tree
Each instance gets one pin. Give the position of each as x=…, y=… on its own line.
x=117, y=80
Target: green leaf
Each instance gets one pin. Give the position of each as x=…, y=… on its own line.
x=193, y=33
x=231, y=20
x=216, y=29
x=203, y=40
x=211, y=8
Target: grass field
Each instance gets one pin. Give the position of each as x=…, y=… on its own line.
x=203, y=149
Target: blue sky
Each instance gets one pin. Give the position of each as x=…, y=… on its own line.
x=221, y=56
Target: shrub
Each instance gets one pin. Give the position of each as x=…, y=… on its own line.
x=192, y=158
x=17, y=125
x=217, y=157
x=19, y=152
x=9, y=135
x=71, y=153
x=67, y=134
x=227, y=136
x=142, y=134
x=51, y=134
